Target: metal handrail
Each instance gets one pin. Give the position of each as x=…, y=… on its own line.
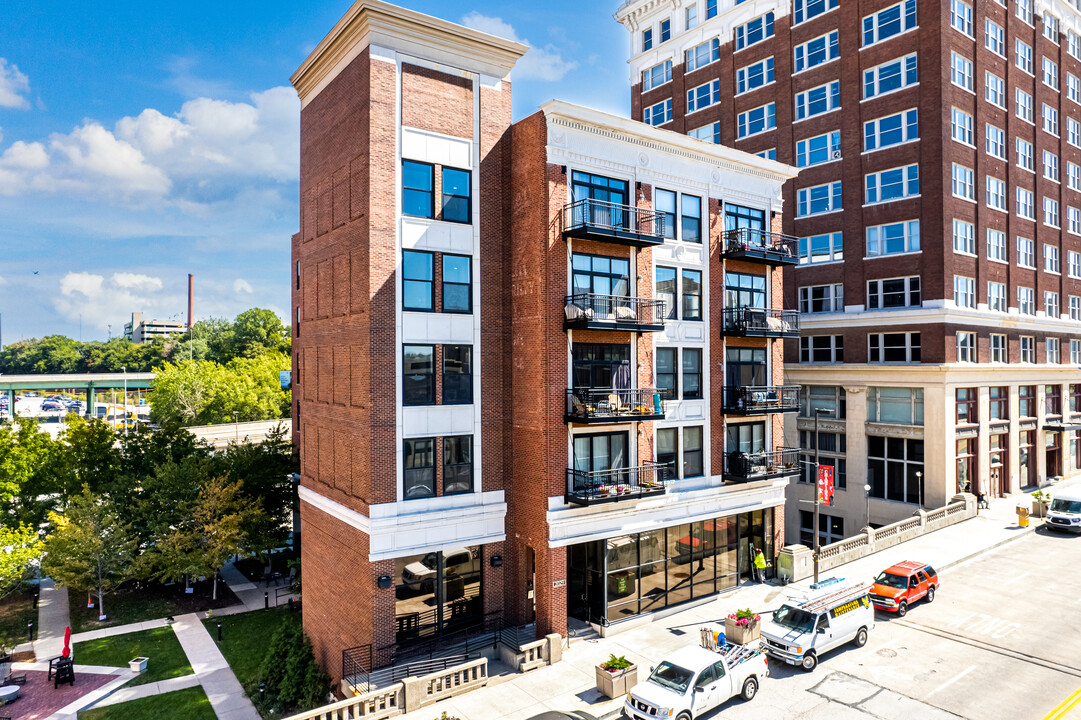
x=605, y=403
x=619, y=309
x=613, y=217
x=761, y=320
x=743, y=239
x=617, y=483
x=762, y=398
x=766, y=463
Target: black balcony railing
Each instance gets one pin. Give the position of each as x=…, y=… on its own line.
x=761, y=399
x=632, y=483
x=761, y=322
x=747, y=467
x=613, y=312
x=589, y=405
x=610, y=222
x=761, y=246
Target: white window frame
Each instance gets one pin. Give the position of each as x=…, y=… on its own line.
x=876, y=294
x=1024, y=104
x=744, y=119
x=966, y=347
x=712, y=91
x=835, y=249
x=1026, y=204
x=804, y=53
x=702, y=55
x=1026, y=253
x=995, y=141
x=872, y=24
x=1023, y=56
x=1073, y=264
x=994, y=89
x=961, y=72
x=828, y=95
x=1050, y=72
x=994, y=37
x=996, y=193
x=833, y=297
x=876, y=344
x=806, y=197
x=664, y=107
x=996, y=297
x=909, y=122
x=1028, y=349
x=962, y=129
x=964, y=237
x=1026, y=301
x=1052, y=306
x=907, y=68
x=1052, y=259
x=761, y=72
x=961, y=17
x=1025, y=154
x=874, y=182
x=1051, y=216
x=964, y=291
x=910, y=235
x=999, y=349
x=996, y=245
x=666, y=76
x=963, y=182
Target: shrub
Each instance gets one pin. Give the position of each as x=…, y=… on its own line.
x=614, y=663
x=289, y=671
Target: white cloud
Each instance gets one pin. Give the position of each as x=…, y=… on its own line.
x=3, y=281
x=12, y=86
x=25, y=156
x=102, y=301
x=136, y=282
x=539, y=63
x=242, y=286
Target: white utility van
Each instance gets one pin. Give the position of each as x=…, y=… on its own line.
x=830, y=614
x=1065, y=510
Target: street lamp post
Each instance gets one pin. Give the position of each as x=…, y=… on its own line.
x=867, y=493
x=818, y=411
x=919, y=486
x=236, y=425
x=125, y=416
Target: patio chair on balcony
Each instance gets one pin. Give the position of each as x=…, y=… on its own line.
x=578, y=407
x=615, y=405
x=625, y=313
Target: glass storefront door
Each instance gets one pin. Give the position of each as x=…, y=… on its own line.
x=438, y=593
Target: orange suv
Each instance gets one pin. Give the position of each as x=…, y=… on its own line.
x=903, y=584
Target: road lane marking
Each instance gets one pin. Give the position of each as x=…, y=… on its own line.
x=1065, y=706
x=951, y=681
x=1014, y=579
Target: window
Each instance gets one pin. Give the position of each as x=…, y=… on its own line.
x=886, y=23
x=755, y=121
x=692, y=294
x=1073, y=264
x=1050, y=212
x=964, y=183
x=418, y=461
x=1050, y=27
x=818, y=199
x=647, y=39
x=600, y=365
x=1073, y=88
x=691, y=218
x=998, y=351
x=891, y=130
x=1026, y=395
x=996, y=245
x=819, y=149
x=995, y=141
x=1073, y=44
x=819, y=100
x=1026, y=203
x=770, y=154
x=1051, y=306
x=664, y=202
x=602, y=275
x=996, y=297
x=708, y=133
x=1000, y=397
x=966, y=347
x=1075, y=307
x=417, y=281
x=743, y=290
x=994, y=37
x=1026, y=301
x=1024, y=10
x=994, y=90
x=457, y=374
x=964, y=237
x=711, y=9
x=1023, y=55
x=831, y=528
x=1050, y=119
x=894, y=238
x=821, y=248
x=666, y=371
x=964, y=291
x=831, y=449
x=892, y=467
x=1028, y=349
x=996, y=193
x=754, y=76
x=702, y=55
x=657, y=75
x=659, y=113
x=691, y=17
x=961, y=71
x=457, y=284
x=902, y=182
x=1024, y=105
x=418, y=375
x=692, y=452
x=456, y=193
x=1073, y=176
x=807, y=9
x=896, y=406
x=1052, y=393
x=1026, y=253
x=417, y=194
x=1024, y=154
x=1073, y=132
x=894, y=75
x=457, y=465
x=668, y=449
x=666, y=30
x=821, y=299
x=961, y=126
x=816, y=52
x=821, y=348
x=961, y=17
x=893, y=347
x=968, y=406
x=1050, y=73
x=692, y=373
x=1075, y=359
x=755, y=31
x=893, y=293
x=1051, y=259
x=703, y=96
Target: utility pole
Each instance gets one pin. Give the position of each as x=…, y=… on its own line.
x=818, y=411
x=125, y=369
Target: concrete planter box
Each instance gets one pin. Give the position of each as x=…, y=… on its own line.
x=138, y=664
x=742, y=634
x=616, y=684
x=1039, y=508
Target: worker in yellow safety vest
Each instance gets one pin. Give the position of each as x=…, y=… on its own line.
x=759, y=566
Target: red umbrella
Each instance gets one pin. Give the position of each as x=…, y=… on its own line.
x=67, y=642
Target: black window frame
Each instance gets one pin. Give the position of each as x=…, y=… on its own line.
x=430, y=192
x=445, y=196
x=410, y=456
x=669, y=458
x=593, y=274
x=668, y=215
x=462, y=379
x=740, y=290
x=598, y=359
x=686, y=298
x=464, y=445
x=407, y=281
x=696, y=374
x=692, y=455
x=407, y=383
x=671, y=388
x=449, y=284
x=686, y=220
x=740, y=216
x=671, y=307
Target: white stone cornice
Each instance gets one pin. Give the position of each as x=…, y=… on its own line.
x=817, y=323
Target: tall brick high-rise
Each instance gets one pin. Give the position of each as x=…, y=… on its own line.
x=938, y=207
x=538, y=365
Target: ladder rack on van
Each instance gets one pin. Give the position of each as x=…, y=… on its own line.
x=851, y=591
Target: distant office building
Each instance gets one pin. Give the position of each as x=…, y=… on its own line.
x=142, y=331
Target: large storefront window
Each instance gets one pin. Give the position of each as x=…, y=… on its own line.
x=438, y=593
x=892, y=467
x=623, y=576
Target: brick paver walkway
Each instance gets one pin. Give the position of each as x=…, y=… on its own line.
x=39, y=700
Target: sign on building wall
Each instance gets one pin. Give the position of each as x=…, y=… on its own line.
x=286, y=378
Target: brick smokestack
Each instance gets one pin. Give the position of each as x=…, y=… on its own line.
x=191, y=300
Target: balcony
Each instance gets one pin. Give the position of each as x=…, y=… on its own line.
x=761, y=399
x=589, y=406
x=760, y=323
x=749, y=467
x=613, y=312
x=604, y=486
x=612, y=223
x=760, y=246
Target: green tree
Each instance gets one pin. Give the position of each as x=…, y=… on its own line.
x=258, y=331
x=91, y=549
x=292, y=678
x=217, y=334
x=20, y=547
x=206, y=393
x=222, y=514
x=28, y=487
x=88, y=456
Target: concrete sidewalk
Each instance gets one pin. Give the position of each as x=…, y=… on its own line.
x=255, y=595
x=212, y=671
x=570, y=684
x=53, y=618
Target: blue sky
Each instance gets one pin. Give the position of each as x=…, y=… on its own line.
x=143, y=141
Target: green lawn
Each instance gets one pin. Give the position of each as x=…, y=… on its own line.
x=149, y=602
x=246, y=639
x=15, y=611
x=167, y=658
x=188, y=704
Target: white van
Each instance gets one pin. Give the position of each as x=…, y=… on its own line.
x=831, y=613
x=1065, y=510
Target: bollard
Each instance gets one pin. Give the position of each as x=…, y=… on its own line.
x=292, y=607
x=219, y=632
x=30, y=631
x=36, y=600
x=266, y=601
x=262, y=693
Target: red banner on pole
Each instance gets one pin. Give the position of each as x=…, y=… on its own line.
x=825, y=484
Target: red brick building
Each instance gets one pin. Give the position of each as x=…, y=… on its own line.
x=521, y=395
x=938, y=207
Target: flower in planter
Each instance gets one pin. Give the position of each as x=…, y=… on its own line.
x=615, y=664
x=743, y=618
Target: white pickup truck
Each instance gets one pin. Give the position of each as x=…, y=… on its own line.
x=694, y=680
